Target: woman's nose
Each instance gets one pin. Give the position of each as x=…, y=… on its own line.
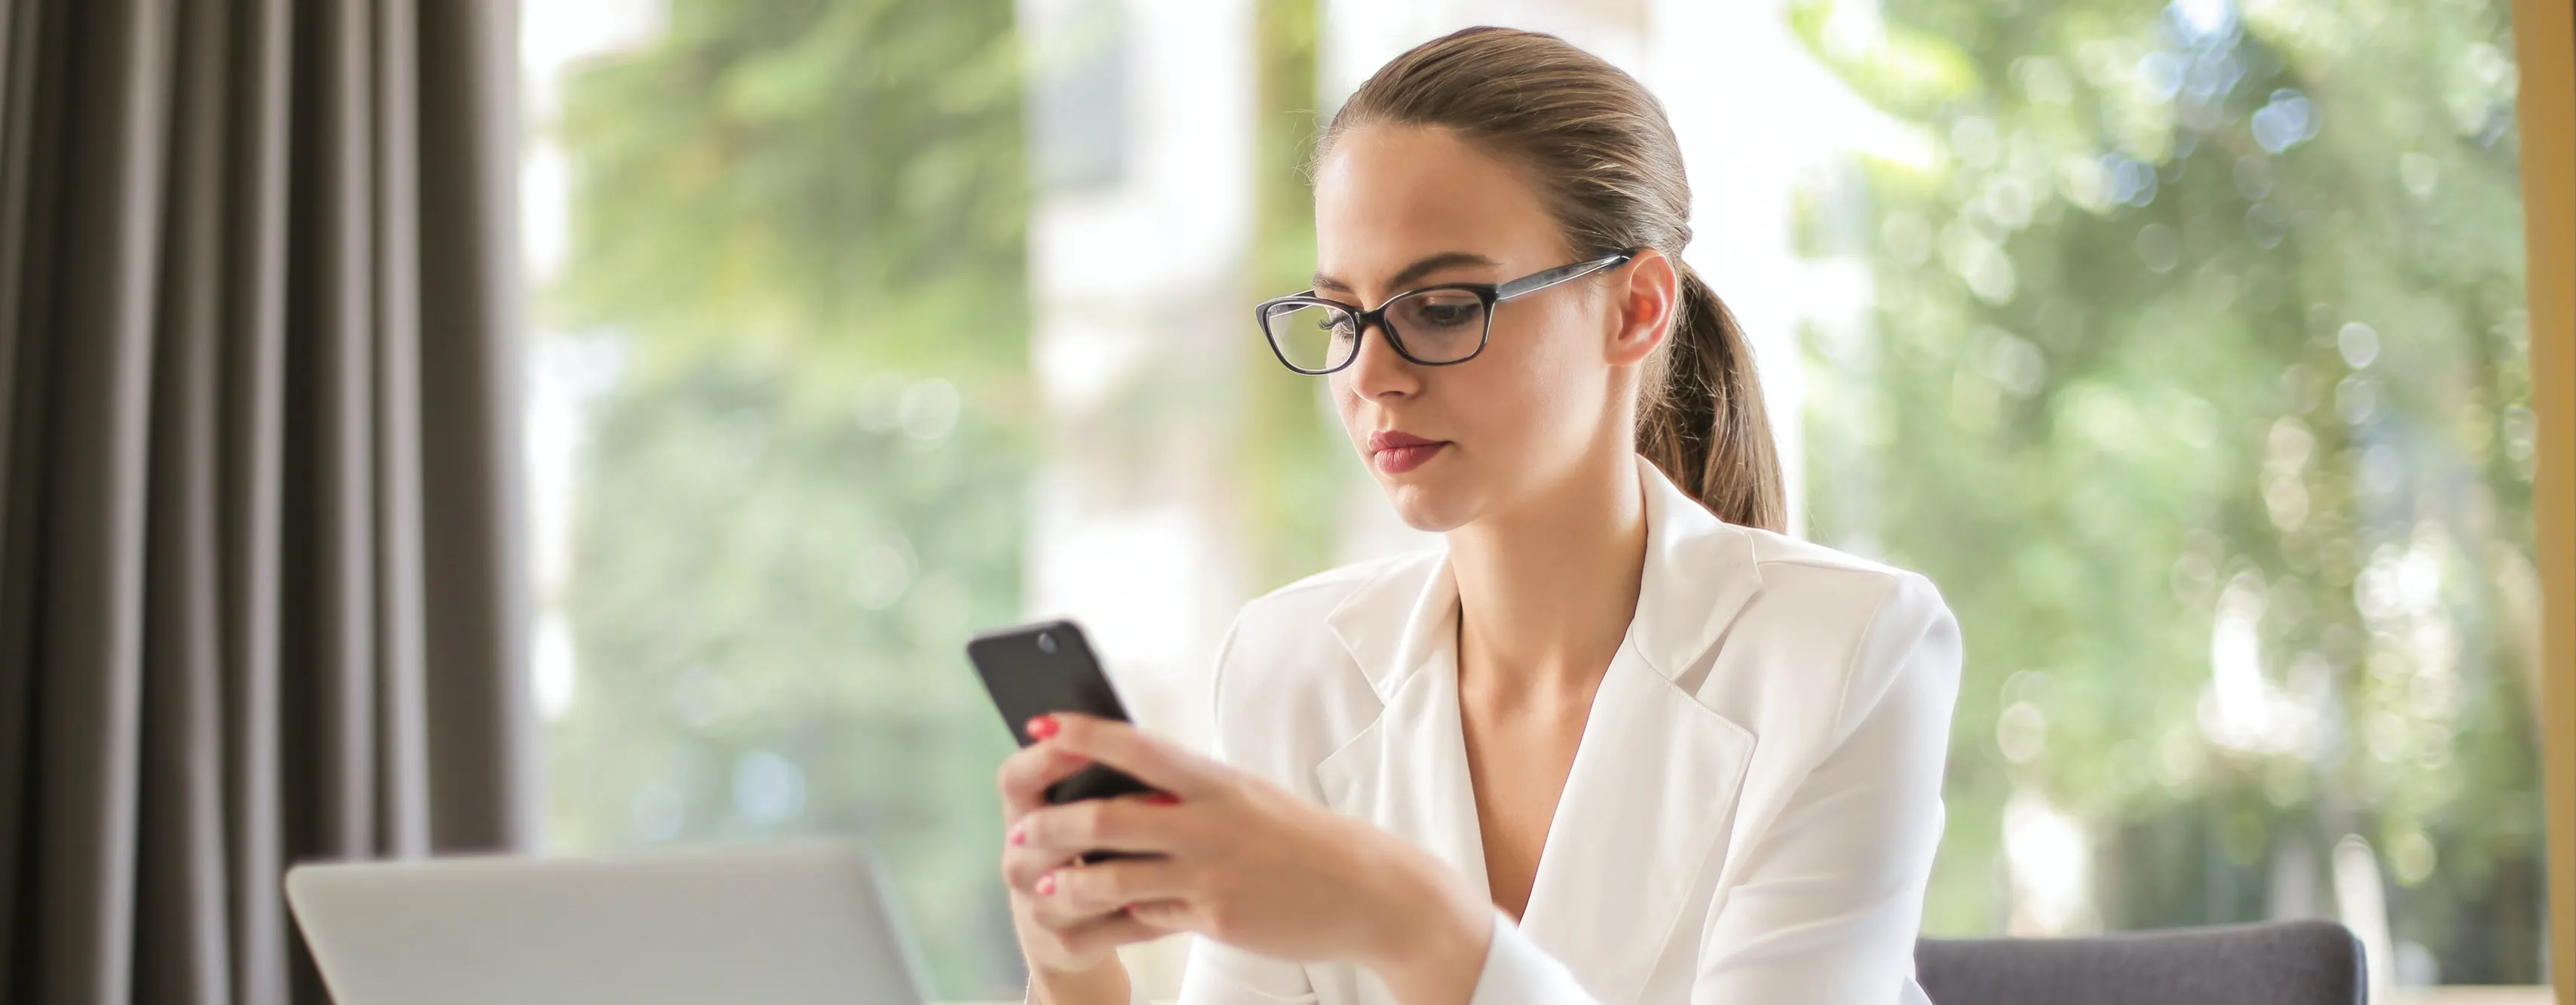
x=1380, y=371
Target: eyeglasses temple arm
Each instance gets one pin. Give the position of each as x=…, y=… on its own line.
x=1551, y=277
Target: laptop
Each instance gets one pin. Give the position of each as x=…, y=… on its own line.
x=784, y=924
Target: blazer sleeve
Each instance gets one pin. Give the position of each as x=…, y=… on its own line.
x=1825, y=905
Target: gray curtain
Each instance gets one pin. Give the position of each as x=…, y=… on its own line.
x=259, y=598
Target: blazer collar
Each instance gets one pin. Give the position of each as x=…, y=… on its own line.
x=1699, y=572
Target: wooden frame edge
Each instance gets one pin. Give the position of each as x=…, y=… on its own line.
x=2545, y=44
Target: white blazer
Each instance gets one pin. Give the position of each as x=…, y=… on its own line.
x=1752, y=810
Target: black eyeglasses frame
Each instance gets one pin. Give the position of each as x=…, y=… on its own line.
x=1491, y=294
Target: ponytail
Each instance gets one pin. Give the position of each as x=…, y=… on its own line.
x=1701, y=418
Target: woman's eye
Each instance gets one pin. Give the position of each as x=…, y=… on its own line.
x=1449, y=315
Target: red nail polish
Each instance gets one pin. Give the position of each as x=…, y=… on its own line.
x=1163, y=799
x=1046, y=885
x=1019, y=833
x=1043, y=727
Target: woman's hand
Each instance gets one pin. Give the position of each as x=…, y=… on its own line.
x=1235, y=858
x=1063, y=944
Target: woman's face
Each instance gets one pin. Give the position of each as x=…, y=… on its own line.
x=1398, y=208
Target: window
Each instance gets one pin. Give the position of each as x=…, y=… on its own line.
x=780, y=472
x=2182, y=346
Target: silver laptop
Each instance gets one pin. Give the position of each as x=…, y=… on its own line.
x=783, y=924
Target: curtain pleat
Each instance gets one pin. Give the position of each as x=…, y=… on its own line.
x=252, y=407
x=181, y=951
x=402, y=758
x=89, y=668
x=476, y=602
x=329, y=651
x=27, y=211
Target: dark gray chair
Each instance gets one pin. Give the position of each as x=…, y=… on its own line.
x=2287, y=963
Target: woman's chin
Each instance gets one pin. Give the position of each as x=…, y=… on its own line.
x=1429, y=508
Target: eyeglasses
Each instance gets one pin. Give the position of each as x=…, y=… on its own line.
x=1432, y=326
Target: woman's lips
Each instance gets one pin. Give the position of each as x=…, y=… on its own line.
x=1398, y=460
x=1395, y=451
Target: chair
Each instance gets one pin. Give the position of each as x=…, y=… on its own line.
x=2285, y=963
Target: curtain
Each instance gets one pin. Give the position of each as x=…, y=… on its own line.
x=259, y=545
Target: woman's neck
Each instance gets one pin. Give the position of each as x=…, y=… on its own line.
x=1546, y=590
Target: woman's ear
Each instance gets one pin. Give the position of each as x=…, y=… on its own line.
x=1647, y=299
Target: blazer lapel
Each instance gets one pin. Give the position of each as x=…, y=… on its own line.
x=1645, y=810
x=1407, y=771
x=1652, y=793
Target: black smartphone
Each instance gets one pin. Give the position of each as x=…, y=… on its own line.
x=1035, y=669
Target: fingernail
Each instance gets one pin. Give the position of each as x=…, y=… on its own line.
x=1046, y=885
x=1019, y=833
x=1043, y=727
x=1163, y=799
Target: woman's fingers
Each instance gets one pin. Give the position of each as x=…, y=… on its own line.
x=1026, y=774
x=1128, y=824
x=1126, y=748
x=1075, y=894
x=1023, y=867
x=1164, y=915
x=1101, y=934
x=1101, y=887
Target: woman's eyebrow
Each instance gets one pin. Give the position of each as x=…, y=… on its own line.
x=1417, y=270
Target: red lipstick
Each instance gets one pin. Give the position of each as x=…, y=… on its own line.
x=1395, y=451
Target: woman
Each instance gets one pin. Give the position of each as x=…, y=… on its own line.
x=1619, y=741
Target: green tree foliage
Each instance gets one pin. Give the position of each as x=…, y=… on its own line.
x=2198, y=343
x=801, y=225
x=837, y=180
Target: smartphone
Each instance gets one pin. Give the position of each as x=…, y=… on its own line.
x=1035, y=669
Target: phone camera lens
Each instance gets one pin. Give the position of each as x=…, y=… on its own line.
x=1046, y=642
